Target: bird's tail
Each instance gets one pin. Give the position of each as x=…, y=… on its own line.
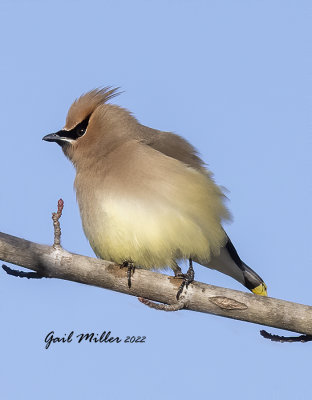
x=228, y=262
x=253, y=281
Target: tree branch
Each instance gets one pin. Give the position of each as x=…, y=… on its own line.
x=55, y=262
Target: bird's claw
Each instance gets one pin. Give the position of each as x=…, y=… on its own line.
x=130, y=268
x=187, y=278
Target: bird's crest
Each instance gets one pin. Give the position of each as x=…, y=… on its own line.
x=87, y=103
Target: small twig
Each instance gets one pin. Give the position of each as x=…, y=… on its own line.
x=21, y=274
x=288, y=339
x=56, y=224
x=57, y=242
x=163, y=307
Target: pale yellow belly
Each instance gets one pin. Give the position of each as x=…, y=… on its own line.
x=151, y=234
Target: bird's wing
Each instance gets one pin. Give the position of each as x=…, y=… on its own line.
x=174, y=146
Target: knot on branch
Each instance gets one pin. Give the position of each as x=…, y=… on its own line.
x=227, y=304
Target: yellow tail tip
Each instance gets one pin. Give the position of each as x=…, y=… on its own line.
x=260, y=290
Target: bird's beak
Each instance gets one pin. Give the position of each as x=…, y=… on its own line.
x=60, y=137
x=52, y=137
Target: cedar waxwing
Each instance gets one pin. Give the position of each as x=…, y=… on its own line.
x=145, y=196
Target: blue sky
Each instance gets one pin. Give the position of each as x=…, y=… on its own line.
x=232, y=77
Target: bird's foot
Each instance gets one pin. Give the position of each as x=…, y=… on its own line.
x=130, y=268
x=187, y=278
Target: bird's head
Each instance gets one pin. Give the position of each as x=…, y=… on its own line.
x=85, y=123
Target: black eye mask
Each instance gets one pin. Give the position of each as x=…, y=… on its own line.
x=75, y=133
x=78, y=131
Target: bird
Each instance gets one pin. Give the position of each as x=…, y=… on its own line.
x=145, y=196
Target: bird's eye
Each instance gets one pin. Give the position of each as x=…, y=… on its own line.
x=81, y=132
x=81, y=128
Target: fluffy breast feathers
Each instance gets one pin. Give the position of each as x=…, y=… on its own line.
x=141, y=205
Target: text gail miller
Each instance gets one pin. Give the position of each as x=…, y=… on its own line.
x=104, y=337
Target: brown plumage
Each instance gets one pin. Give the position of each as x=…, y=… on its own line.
x=144, y=195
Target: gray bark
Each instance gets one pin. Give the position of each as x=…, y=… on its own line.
x=55, y=262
